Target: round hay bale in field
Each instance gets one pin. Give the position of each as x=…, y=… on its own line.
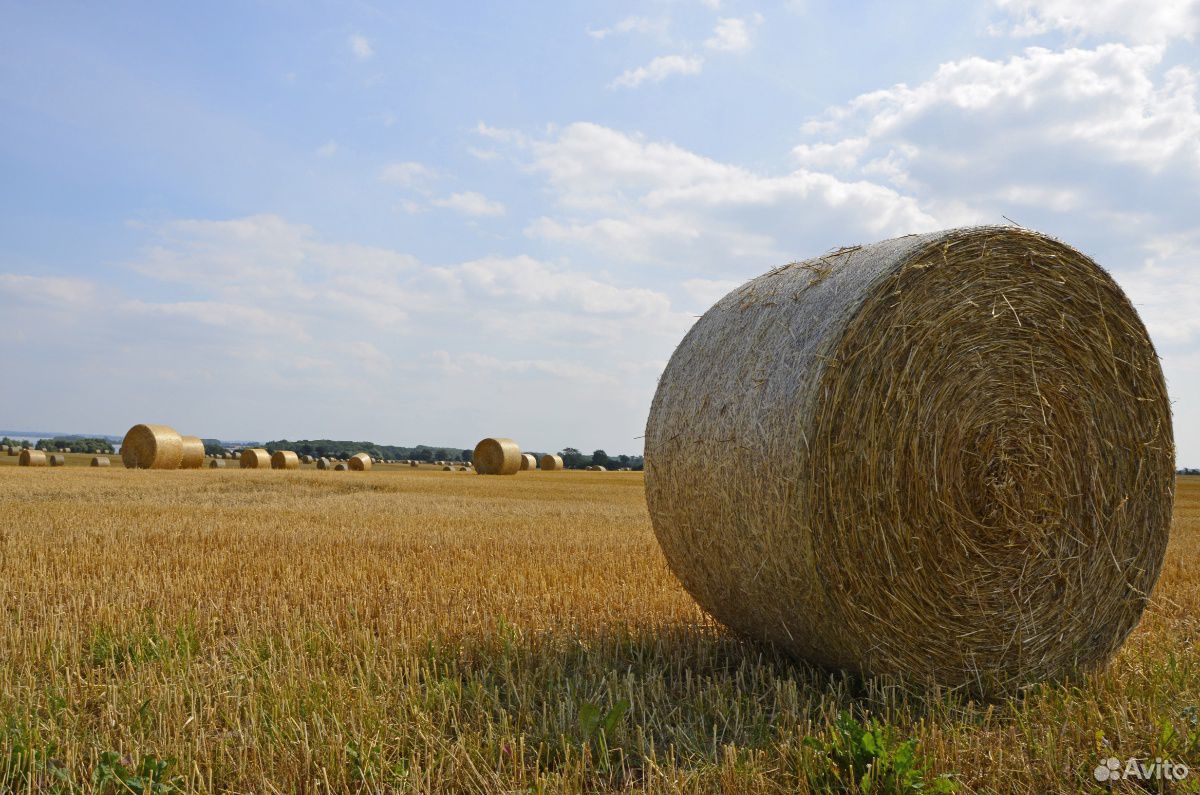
x=31, y=458
x=964, y=463
x=66, y=449
x=255, y=458
x=13, y=451
x=152, y=447
x=360, y=462
x=100, y=461
x=284, y=459
x=528, y=461
x=413, y=464
x=193, y=452
x=322, y=463
x=56, y=460
x=447, y=468
x=497, y=457
x=217, y=463
x=552, y=463
x=340, y=467
x=306, y=459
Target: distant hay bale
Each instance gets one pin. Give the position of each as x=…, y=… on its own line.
x=528, y=461
x=360, y=462
x=447, y=468
x=599, y=468
x=255, y=458
x=216, y=463
x=552, y=463
x=322, y=463
x=413, y=464
x=963, y=460
x=284, y=459
x=152, y=447
x=497, y=457
x=66, y=449
x=306, y=459
x=340, y=467
x=100, y=461
x=31, y=458
x=56, y=460
x=193, y=452
x=13, y=451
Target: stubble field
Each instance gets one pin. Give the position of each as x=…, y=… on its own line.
x=425, y=631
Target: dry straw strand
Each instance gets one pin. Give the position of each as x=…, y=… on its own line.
x=148, y=446
x=193, y=452
x=284, y=459
x=965, y=464
x=497, y=456
x=360, y=462
x=255, y=458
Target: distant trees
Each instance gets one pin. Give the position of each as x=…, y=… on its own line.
x=78, y=444
x=344, y=449
x=573, y=459
x=213, y=447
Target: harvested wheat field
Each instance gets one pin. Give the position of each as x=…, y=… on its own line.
x=259, y=630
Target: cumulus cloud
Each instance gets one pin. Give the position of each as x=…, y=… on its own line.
x=729, y=35
x=1128, y=20
x=470, y=203
x=360, y=46
x=406, y=174
x=632, y=24
x=658, y=70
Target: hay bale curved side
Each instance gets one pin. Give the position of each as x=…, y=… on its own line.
x=255, y=458
x=957, y=435
x=340, y=467
x=284, y=459
x=528, y=461
x=322, y=463
x=149, y=446
x=360, y=462
x=31, y=458
x=56, y=460
x=552, y=463
x=497, y=456
x=217, y=463
x=193, y=452
x=100, y=461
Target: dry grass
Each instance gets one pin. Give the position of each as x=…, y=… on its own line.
x=401, y=631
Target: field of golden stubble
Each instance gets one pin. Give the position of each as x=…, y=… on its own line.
x=425, y=631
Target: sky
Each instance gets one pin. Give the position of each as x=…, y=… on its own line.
x=434, y=222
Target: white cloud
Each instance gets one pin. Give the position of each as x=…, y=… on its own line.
x=706, y=292
x=658, y=70
x=406, y=174
x=632, y=24
x=470, y=203
x=327, y=149
x=1129, y=20
x=729, y=35
x=57, y=291
x=361, y=46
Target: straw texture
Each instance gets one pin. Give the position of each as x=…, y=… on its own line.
x=56, y=460
x=193, y=452
x=964, y=464
x=31, y=458
x=100, y=461
x=528, y=461
x=255, y=458
x=497, y=457
x=552, y=463
x=360, y=462
x=217, y=463
x=284, y=459
x=152, y=447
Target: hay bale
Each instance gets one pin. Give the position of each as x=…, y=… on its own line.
x=152, y=447
x=447, y=468
x=284, y=459
x=528, y=461
x=193, y=452
x=360, y=462
x=56, y=460
x=306, y=459
x=255, y=458
x=497, y=457
x=100, y=461
x=66, y=449
x=964, y=460
x=322, y=463
x=413, y=464
x=13, y=451
x=216, y=463
x=31, y=458
x=552, y=463
x=340, y=467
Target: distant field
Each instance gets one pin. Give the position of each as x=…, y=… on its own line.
x=414, y=630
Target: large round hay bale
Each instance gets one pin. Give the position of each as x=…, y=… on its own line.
x=552, y=463
x=100, y=461
x=56, y=460
x=255, y=458
x=284, y=459
x=340, y=467
x=217, y=463
x=13, y=451
x=528, y=461
x=360, y=462
x=322, y=463
x=152, y=447
x=497, y=457
x=193, y=452
x=306, y=459
x=963, y=459
x=31, y=458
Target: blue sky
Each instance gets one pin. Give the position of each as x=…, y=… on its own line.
x=436, y=222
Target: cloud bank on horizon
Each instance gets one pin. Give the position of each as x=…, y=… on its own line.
x=402, y=226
